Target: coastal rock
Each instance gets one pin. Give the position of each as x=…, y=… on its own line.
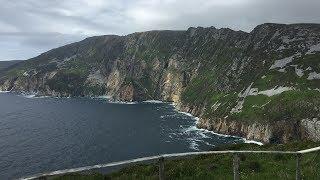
x=312, y=128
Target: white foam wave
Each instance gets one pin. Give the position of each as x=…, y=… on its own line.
x=187, y=114
x=123, y=102
x=43, y=96
x=103, y=97
x=34, y=96
x=194, y=145
x=153, y=102
x=4, y=91
x=29, y=95
x=167, y=116
x=202, y=132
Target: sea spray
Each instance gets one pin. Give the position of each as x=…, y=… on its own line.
x=202, y=131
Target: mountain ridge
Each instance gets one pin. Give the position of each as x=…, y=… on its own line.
x=262, y=85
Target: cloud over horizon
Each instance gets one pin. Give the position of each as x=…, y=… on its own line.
x=30, y=27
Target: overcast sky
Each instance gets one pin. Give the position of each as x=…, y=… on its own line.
x=30, y=27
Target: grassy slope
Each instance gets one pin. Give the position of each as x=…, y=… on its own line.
x=220, y=166
x=295, y=105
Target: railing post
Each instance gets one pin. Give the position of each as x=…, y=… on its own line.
x=161, y=168
x=298, y=166
x=42, y=178
x=236, y=175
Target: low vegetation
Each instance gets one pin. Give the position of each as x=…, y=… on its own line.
x=69, y=81
x=257, y=166
x=294, y=105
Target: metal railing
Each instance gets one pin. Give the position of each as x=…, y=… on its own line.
x=161, y=158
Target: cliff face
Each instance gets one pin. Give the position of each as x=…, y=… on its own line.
x=263, y=85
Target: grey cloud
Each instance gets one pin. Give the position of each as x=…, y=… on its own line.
x=26, y=45
x=30, y=27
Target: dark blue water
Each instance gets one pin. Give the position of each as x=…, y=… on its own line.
x=46, y=134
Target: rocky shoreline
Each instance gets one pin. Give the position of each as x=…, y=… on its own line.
x=279, y=132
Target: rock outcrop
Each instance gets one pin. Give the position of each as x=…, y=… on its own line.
x=312, y=128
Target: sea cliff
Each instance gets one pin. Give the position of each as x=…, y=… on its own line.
x=263, y=85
